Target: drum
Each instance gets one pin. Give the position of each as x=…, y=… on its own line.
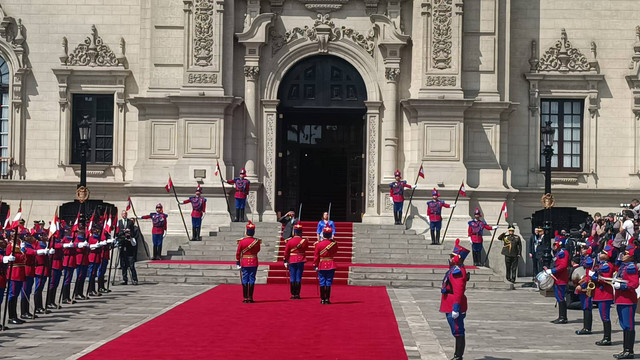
x=577, y=275
x=544, y=281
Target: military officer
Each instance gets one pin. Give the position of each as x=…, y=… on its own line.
x=294, y=259
x=42, y=272
x=476, y=228
x=56, y=271
x=107, y=245
x=29, y=248
x=453, y=301
x=626, y=300
x=324, y=264
x=561, y=274
x=159, y=230
x=199, y=208
x=512, y=250
x=247, y=261
x=434, y=211
x=396, y=192
x=95, y=260
x=69, y=266
x=242, y=190
x=603, y=296
x=16, y=280
x=585, y=295
x=82, y=264
x=6, y=259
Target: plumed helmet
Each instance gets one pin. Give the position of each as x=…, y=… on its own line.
x=251, y=226
x=434, y=192
x=477, y=212
x=460, y=253
x=199, y=188
x=243, y=171
x=397, y=173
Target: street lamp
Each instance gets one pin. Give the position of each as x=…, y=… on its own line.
x=84, y=130
x=547, y=140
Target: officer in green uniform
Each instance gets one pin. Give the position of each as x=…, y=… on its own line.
x=511, y=250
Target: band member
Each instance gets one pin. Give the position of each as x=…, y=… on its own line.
x=512, y=250
x=626, y=301
x=199, y=208
x=561, y=274
x=434, y=211
x=476, y=228
x=586, y=295
x=242, y=190
x=536, y=250
x=14, y=248
x=29, y=248
x=247, y=261
x=56, y=256
x=324, y=223
x=603, y=296
x=294, y=259
x=288, y=221
x=453, y=301
x=159, y=230
x=324, y=264
x=396, y=192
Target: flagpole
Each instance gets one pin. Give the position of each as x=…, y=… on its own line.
x=6, y=297
x=51, y=245
x=411, y=197
x=444, y=236
x=224, y=190
x=113, y=236
x=179, y=208
x=486, y=258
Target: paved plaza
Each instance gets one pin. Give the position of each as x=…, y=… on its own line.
x=500, y=325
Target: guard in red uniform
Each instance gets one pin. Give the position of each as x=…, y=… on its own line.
x=625, y=284
x=159, y=230
x=56, y=256
x=199, y=205
x=29, y=248
x=396, y=192
x=82, y=264
x=324, y=264
x=242, y=190
x=6, y=259
x=42, y=272
x=453, y=301
x=294, y=259
x=586, y=296
x=434, y=211
x=476, y=228
x=69, y=265
x=603, y=296
x=561, y=274
x=95, y=260
x=16, y=280
x=247, y=261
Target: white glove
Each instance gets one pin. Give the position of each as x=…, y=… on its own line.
x=616, y=285
x=93, y=246
x=238, y=267
x=415, y=186
x=286, y=265
x=110, y=241
x=470, y=240
x=591, y=273
x=67, y=245
x=139, y=217
x=390, y=198
x=52, y=251
x=549, y=271
x=455, y=314
x=316, y=268
x=452, y=206
x=8, y=259
x=81, y=245
x=103, y=243
x=495, y=227
x=41, y=251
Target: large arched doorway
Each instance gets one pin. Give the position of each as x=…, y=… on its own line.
x=320, y=143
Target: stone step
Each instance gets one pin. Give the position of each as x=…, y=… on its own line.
x=436, y=284
x=415, y=270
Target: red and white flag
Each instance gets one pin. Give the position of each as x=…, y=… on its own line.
x=462, y=190
x=106, y=228
x=53, y=227
x=169, y=185
x=74, y=227
x=217, y=168
x=504, y=209
x=128, y=204
x=421, y=172
x=16, y=219
x=90, y=227
x=6, y=220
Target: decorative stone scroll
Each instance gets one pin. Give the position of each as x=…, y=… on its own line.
x=442, y=13
x=197, y=78
x=563, y=57
x=203, y=32
x=92, y=52
x=441, y=80
x=392, y=74
x=252, y=72
x=323, y=6
x=323, y=31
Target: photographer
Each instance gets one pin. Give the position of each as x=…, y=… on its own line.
x=128, y=249
x=627, y=227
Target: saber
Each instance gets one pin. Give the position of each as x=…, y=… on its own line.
x=612, y=280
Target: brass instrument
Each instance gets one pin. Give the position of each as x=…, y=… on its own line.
x=590, y=285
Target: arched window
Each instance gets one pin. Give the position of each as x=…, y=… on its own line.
x=4, y=119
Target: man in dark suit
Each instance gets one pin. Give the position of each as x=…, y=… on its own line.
x=288, y=220
x=128, y=248
x=124, y=223
x=536, y=250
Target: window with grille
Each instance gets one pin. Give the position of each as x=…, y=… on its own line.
x=5, y=160
x=99, y=109
x=566, y=116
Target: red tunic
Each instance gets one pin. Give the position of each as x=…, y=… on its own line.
x=105, y=252
x=81, y=258
x=242, y=187
x=434, y=209
x=454, y=285
x=69, y=259
x=475, y=230
x=30, y=259
x=94, y=254
x=325, y=260
x=17, y=274
x=626, y=295
x=396, y=190
x=247, y=253
x=560, y=271
x=41, y=260
x=294, y=251
x=199, y=205
x=58, y=256
x=159, y=222
x=3, y=274
x=604, y=291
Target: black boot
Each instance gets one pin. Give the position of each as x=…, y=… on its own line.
x=24, y=310
x=298, y=287
x=242, y=213
x=437, y=237
x=66, y=294
x=625, y=346
x=237, y=219
x=251, y=287
x=586, y=323
x=155, y=253
x=433, y=237
x=37, y=300
x=322, y=294
x=193, y=233
x=293, y=290
x=91, y=289
x=198, y=237
x=327, y=295
x=101, y=288
x=606, y=339
x=159, y=252
x=245, y=291
x=78, y=290
x=460, y=343
x=13, y=312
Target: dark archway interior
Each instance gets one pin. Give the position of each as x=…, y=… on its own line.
x=320, y=145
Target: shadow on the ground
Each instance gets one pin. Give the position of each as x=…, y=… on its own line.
x=492, y=358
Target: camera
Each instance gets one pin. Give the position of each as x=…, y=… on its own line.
x=627, y=206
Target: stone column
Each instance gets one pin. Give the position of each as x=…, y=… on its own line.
x=251, y=77
x=389, y=126
x=372, y=124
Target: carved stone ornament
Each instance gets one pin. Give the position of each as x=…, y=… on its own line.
x=203, y=32
x=252, y=72
x=92, y=52
x=323, y=6
x=563, y=57
x=442, y=32
x=547, y=201
x=202, y=78
x=392, y=74
x=441, y=80
x=82, y=194
x=372, y=166
x=323, y=31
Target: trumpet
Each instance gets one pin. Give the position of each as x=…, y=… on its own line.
x=590, y=285
x=611, y=281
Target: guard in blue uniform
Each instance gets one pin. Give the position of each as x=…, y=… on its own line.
x=199, y=205
x=242, y=190
x=434, y=211
x=396, y=192
x=586, y=295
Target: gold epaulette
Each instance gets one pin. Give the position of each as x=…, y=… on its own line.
x=238, y=241
x=259, y=240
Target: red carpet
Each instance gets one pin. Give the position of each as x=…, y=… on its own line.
x=360, y=324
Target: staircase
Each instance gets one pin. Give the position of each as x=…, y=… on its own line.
x=344, y=237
